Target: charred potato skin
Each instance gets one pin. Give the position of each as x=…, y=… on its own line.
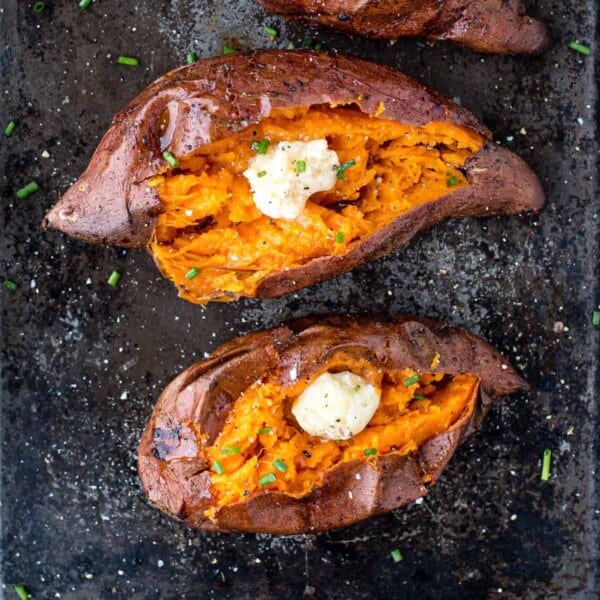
x=111, y=203
x=491, y=26
x=176, y=482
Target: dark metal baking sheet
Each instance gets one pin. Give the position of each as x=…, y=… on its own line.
x=82, y=364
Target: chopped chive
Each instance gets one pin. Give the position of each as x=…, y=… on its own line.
x=39, y=7
x=396, y=555
x=27, y=190
x=260, y=147
x=267, y=479
x=357, y=388
x=291, y=46
x=280, y=465
x=419, y=397
x=193, y=272
x=191, y=58
x=307, y=43
x=218, y=467
x=264, y=431
x=344, y=167
x=370, y=451
x=21, y=591
x=452, y=181
x=319, y=46
x=412, y=379
x=271, y=31
x=171, y=159
x=596, y=317
x=84, y=4
x=581, y=48
x=10, y=127
x=9, y=284
x=301, y=166
x=113, y=280
x=339, y=237
x=261, y=173
x=546, y=461
x=129, y=61
x=229, y=50
x=229, y=450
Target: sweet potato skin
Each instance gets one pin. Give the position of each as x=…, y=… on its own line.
x=178, y=483
x=111, y=204
x=494, y=26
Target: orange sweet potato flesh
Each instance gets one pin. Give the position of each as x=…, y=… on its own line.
x=211, y=224
x=129, y=196
x=494, y=26
x=403, y=423
x=220, y=426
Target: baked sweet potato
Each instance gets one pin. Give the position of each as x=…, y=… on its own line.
x=404, y=159
x=496, y=26
x=224, y=450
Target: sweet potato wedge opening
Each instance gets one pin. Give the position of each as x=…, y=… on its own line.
x=261, y=447
x=213, y=242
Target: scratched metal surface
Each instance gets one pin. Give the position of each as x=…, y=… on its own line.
x=82, y=364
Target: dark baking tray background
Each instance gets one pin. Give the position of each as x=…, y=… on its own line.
x=82, y=364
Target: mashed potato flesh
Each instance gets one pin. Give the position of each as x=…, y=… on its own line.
x=213, y=242
x=261, y=445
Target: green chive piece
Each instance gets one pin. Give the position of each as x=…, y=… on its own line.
x=84, y=4
x=129, y=61
x=319, y=46
x=191, y=58
x=9, y=284
x=26, y=191
x=260, y=147
x=264, y=431
x=307, y=43
x=412, y=379
x=10, y=127
x=419, y=397
x=344, y=167
x=39, y=7
x=21, y=591
x=396, y=555
x=271, y=31
x=581, y=48
x=280, y=465
x=291, y=46
x=113, y=280
x=300, y=166
x=229, y=450
x=193, y=272
x=218, y=467
x=229, y=50
x=171, y=159
x=370, y=451
x=261, y=173
x=596, y=317
x=546, y=462
x=357, y=388
x=339, y=237
x=267, y=479
x=452, y=181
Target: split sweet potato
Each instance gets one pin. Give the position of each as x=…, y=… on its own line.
x=407, y=159
x=223, y=452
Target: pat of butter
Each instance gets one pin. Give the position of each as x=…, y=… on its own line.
x=336, y=405
x=283, y=179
